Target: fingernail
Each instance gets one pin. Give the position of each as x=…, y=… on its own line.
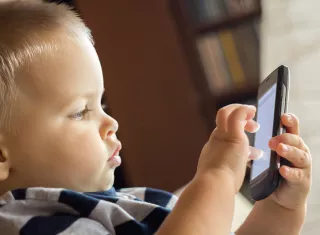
x=284, y=148
x=274, y=142
x=289, y=118
x=251, y=107
x=258, y=127
x=286, y=170
x=255, y=153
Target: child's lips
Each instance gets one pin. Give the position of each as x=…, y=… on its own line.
x=113, y=155
x=116, y=151
x=115, y=159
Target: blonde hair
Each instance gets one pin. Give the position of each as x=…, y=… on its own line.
x=27, y=29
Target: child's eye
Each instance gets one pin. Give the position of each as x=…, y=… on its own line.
x=81, y=115
x=104, y=106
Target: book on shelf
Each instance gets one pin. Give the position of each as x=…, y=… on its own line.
x=248, y=47
x=236, y=7
x=214, y=63
x=204, y=11
x=211, y=11
x=230, y=57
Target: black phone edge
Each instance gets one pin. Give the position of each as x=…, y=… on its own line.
x=267, y=182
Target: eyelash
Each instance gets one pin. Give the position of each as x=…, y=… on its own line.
x=82, y=114
x=104, y=107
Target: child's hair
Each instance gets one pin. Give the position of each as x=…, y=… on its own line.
x=29, y=28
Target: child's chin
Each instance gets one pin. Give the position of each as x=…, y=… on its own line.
x=109, y=181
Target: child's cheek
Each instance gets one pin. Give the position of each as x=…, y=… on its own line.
x=88, y=151
x=80, y=156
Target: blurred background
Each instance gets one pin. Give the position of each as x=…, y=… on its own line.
x=169, y=65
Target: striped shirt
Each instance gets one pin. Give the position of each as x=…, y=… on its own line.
x=52, y=211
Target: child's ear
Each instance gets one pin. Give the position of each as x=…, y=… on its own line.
x=4, y=162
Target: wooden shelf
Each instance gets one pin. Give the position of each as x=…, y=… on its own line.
x=228, y=21
x=237, y=95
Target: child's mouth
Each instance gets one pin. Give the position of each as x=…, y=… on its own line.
x=115, y=158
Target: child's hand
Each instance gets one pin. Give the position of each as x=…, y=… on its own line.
x=293, y=191
x=227, y=150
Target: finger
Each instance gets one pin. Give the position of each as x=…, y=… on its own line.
x=254, y=153
x=252, y=126
x=288, y=139
x=238, y=119
x=293, y=175
x=223, y=114
x=297, y=157
x=291, y=122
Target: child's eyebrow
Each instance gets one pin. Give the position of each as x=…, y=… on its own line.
x=92, y=93
x=89, y=94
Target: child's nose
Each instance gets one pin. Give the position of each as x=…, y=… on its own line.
x=109, y=127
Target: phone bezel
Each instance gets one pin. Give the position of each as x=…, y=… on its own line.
x=266, y=182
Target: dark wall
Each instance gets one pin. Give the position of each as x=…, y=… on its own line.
x=149, y=90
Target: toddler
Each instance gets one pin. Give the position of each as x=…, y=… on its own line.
x=59, y=150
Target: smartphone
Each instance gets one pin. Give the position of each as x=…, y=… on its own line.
x=272, y=102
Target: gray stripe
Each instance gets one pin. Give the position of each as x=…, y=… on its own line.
x=19, y=213
x=137, y=192
x=138, y=210
x=45, y=194
x=172, y=202
x=84, y=226
x=109, y=215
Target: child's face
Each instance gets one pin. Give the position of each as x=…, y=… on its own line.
x=57, y=145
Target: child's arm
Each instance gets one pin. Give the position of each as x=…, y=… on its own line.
x=206, y=205
x=268, y=218
x=284, y=211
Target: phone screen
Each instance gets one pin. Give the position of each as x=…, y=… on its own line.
x=265, y=117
